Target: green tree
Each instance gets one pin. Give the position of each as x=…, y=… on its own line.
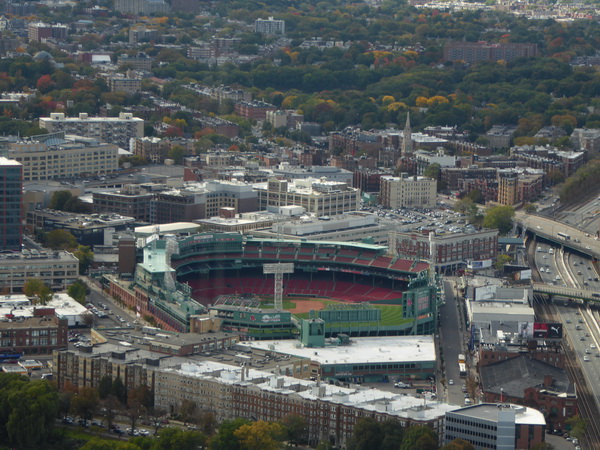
x=543, y=446
x=85, y=403
x=366, y=435
x=421, y=437
x=393, y=434
x=104, y=387
x=176, y=153
x=295, y=428
x=260, y=435
x=34, y=287
x=58, y=200
x=475, y=196
x=502, y=260
x=119, y=390
x=500, y=218
x=458, y=444
x=578, y=426
x=175, y=439
x=435, y=171
x=78, y=290
x=28, y=410
x=76, y=205
x=187, y=410
x=226, y=439
x=85, y=256
x=60, y=240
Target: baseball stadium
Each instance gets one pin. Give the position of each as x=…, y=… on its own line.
x=355, y=289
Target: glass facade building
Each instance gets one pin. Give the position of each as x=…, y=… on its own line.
x=11, y=185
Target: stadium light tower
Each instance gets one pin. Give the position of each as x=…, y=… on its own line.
x=278, y=269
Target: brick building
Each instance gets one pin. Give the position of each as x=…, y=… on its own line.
x=255, y=110
x=453, y=250
x=37, y=335
x=529, y=382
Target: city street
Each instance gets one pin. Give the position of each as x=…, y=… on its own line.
x=452, y=342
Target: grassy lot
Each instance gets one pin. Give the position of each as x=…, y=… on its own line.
x=390, y=314
x=268, y=304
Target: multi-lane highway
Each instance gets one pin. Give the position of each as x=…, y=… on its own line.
x=559, y=267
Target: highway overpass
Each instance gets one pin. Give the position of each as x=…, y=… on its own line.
x=569, y=237
x=567, y=292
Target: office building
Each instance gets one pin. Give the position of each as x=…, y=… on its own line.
x=11, y=186
x=56, y=156
x=112, y=130
x=498, y=426
x=407, y=192
x=270, y=26
x=203, y=200
x=132, y=201
x=57, y=269
x=321, y=198
x=90, y=230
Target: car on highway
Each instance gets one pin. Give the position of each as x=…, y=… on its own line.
x=586, y=358
x=451, y=382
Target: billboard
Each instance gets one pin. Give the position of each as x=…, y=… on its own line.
x=538, y=330
x=484, y=264
x=522, y=275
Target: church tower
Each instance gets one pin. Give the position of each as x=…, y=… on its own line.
x=407, y=147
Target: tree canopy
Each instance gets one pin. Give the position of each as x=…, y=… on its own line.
x=500, y=218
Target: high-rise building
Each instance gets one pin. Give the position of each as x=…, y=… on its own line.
x=11, y=186
x=269, y=26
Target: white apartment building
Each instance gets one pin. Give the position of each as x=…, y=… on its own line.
x=114, y=130
x=407, y=192
x=52, y=156
x=269, y=26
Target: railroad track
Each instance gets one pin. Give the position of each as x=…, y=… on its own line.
x=586, y=402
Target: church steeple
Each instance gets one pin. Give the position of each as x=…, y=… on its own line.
x=407, y=147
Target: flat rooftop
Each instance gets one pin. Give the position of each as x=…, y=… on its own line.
x=490, y=411
x=360, y=350
x=369, y=399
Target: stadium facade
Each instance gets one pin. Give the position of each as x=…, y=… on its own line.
x=180, y=278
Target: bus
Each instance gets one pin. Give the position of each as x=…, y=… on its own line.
x=462, y=370
x=10, y=357
x=565, y=236
x=461, y=358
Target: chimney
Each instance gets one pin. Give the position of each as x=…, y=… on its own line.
x=547, y=381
